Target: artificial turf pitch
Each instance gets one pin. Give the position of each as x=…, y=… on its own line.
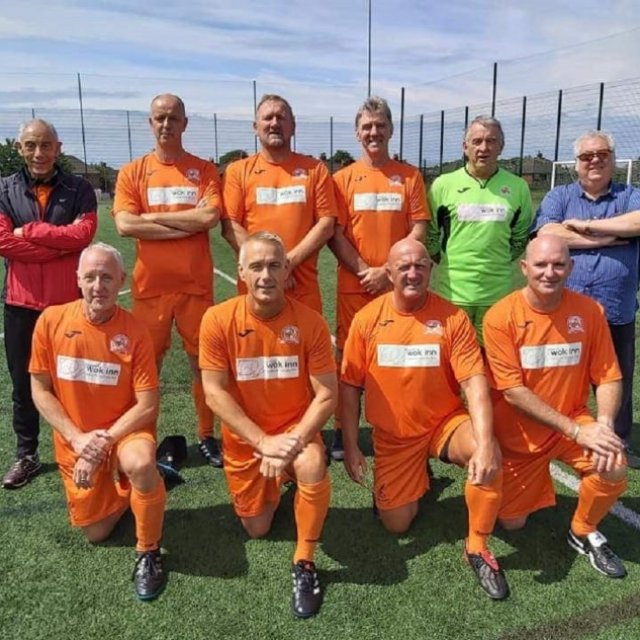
x=54, y=585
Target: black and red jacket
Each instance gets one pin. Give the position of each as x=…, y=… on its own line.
x=41, y=266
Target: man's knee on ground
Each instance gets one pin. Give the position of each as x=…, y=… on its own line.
x=399, y=520
x=258, y=526
x=513, y=524
x=99, y=531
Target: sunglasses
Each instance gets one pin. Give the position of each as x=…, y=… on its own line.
x=588, y=157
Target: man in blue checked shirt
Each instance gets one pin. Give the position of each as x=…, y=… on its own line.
x=593, y=216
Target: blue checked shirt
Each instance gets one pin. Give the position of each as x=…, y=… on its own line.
x=608, y=274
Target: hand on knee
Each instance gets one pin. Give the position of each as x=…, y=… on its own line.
x=617, y=474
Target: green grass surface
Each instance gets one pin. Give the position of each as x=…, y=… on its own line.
x=54, y=585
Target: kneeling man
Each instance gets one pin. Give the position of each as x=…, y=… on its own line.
x=411, y=351
x=269, y=373
x=94, y=379
x=547, y=346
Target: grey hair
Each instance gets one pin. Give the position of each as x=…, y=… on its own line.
x=375, y=104
x=107, y=248
x=273, y=97
x=261, y=236
x=29, y=123
x=589, y=135
x=173, y=96
x=486, y=122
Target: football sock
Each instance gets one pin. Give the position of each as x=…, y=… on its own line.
x=483, y=502
x=310, y=507
x=205, y=417
x=148, y=511
x=595, y=498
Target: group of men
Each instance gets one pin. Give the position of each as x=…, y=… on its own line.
x=264, y=362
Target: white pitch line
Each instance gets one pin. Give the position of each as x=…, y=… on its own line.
x=571, y=482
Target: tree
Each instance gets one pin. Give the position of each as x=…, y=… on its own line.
x=10, y=159
x=342, y=158
x=230, y=156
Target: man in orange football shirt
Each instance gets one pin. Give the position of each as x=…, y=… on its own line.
x=380, y=201
x=283, y=192
x=94, y=379
x=412, y=352
x=546, y=347
x=269, y=373
x=168, y=200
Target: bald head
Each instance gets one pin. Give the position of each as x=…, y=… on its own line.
x=168, y=122
x=407, y=245
x=546, y=244
x=169, y=98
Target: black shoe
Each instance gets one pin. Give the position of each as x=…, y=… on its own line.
x=211, y=452
x=337, y=449
x=602, y=558
x=22, y=472
x=633, y=458
x=489, y=574
x=307, y=595
x=149, y=578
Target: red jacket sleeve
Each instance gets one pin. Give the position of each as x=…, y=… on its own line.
x=68, y=237
x=15, y=248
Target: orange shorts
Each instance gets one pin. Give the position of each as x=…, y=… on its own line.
x=250, y=491
x=159, y=313
x=310, y=298
x=110, y=491
x=400, y=466
x=347, y=305
x=527, y=484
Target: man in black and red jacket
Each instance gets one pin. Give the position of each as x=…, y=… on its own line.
x=46, y=218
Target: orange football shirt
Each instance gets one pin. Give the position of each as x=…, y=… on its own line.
x=376, y=208
x=410, y=365
x=557, y=355
x=287, y=199
x=95, y=368
x=151, y=186
x=269, y=361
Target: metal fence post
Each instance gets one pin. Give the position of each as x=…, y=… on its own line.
x=441, y=138
x=420, y=142
x=129, y=137
x=495, y=87
x=558, y=122
x=524, y=119
x=401, y=121
x=84, y=143
x=466, y=124
x=600, y=104
x=215, y=137
x=331, y=144
x=255, y=108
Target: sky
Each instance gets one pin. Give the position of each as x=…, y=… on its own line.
x=314, y=53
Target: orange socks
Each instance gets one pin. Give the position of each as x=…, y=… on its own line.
x=595, y=498
x=205, y=417
x=148, y=511
x=310, y=507
x=483, y=502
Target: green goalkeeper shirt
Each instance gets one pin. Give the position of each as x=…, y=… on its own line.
x=478, y=228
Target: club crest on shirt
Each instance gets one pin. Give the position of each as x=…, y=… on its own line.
x=290, y=335
x=574, y=324
x=505, y=191
x=299, y=173
x=119, y=344
x=433, y=327
x=193, y=175
x=395, y=181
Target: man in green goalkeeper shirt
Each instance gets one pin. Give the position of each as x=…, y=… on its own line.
x=480, y=222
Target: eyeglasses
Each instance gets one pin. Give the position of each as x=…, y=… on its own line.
x=589, y=156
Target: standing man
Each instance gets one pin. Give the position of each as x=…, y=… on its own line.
x=47, y=217
x=94, y=380
x=285, y=193
x=605, y=247
x=380, y=202
x=481, y=220
x=168, y=200
x=269, y=373
x=412, y=352
x=547, y=346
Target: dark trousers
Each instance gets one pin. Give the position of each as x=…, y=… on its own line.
x=624, y=342
x=19, y=323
